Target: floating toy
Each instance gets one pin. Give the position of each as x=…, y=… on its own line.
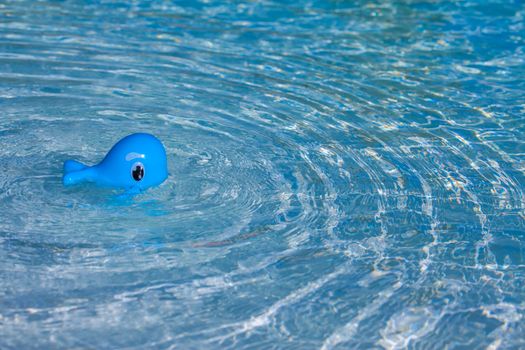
x=135, y=163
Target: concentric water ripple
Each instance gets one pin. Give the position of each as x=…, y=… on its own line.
x=342, y=175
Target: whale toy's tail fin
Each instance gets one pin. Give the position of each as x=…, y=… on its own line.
x=76, y=172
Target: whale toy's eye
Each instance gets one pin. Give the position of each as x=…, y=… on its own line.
x=137, y=171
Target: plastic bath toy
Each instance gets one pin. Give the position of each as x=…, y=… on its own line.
x=135, y=163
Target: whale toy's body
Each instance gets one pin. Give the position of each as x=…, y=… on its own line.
x=135, y=163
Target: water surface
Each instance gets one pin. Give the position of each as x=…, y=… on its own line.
x=342, y=175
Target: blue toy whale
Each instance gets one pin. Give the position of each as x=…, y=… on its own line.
x=135, y=163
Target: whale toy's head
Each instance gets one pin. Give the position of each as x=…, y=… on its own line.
x=136, y=162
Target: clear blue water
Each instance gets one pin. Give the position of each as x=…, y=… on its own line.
x=342, y=175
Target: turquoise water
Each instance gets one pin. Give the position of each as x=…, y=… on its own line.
x=342, y=175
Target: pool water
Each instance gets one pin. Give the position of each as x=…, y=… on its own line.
x=342, y=175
